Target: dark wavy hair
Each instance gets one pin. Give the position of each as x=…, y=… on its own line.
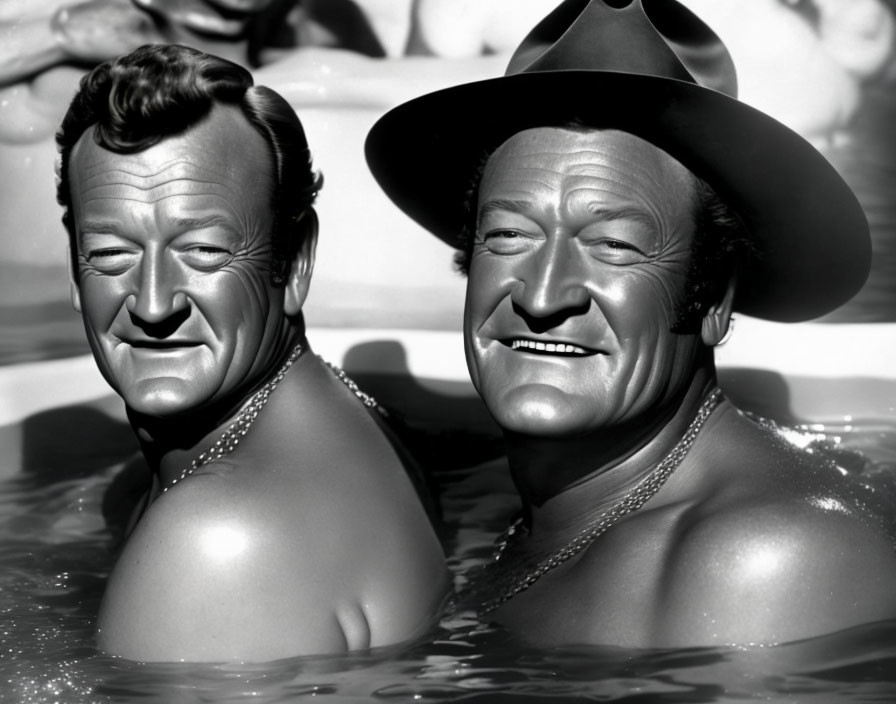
x=720, y=241
x=157, y=91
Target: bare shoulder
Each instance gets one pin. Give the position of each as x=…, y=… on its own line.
x=792, y=553
x=216, y=570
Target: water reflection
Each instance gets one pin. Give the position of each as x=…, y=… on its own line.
x=56, y=555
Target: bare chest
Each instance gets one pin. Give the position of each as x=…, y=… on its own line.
x=607, y=593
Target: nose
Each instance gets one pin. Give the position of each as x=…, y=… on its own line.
x=157, y=297
x=552, y=281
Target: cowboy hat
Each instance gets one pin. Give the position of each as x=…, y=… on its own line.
x=651, y=68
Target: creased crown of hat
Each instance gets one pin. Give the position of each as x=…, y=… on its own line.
x=670, y=42
x=654, y=69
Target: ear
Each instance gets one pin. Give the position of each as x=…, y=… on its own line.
x=299, y=279
x=74, y=288
x=717, y=319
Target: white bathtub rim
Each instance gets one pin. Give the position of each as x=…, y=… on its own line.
x=805, y=351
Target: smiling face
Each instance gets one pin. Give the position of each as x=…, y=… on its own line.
x=579, y=261
x=174, y=257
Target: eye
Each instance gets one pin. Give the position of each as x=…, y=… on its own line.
x=110, y=260
x=505, y=241
x=617, y=245
x=615, y=251
x=207, y=257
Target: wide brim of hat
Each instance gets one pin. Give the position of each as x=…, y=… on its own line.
x=812, y=245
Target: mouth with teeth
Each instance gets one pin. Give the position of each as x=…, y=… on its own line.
x=560, y=349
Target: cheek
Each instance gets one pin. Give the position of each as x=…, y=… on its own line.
x=260, y=302
x=102, y=297
x=483, y=296
x=648, y=297
x=654, y=310
x=472, y=321
x=238, y=293
x=489, y=282
x=640, y=310
x=472, y=301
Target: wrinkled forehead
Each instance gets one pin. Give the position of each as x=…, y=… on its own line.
x=565, y=163
x=221, y=155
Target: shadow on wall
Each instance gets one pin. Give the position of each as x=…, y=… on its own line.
x=759, y=391
x=72, y=443
x=442, y=422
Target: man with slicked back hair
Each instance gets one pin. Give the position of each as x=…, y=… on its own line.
x=283, y=517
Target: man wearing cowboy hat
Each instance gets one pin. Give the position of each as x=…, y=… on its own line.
x=620, y=203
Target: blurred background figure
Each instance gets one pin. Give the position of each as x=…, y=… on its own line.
x=826, y=69
x=823, y=67
x=804, y=61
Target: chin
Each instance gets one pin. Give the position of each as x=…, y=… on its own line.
x=161, y=400
x=541, y=412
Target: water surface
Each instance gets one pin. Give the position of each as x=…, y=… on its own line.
x=57, y=549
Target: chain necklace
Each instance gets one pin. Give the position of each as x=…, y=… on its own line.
x=231, y=437
x=522, y=578
x=365, y=398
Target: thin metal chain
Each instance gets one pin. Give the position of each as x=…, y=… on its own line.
x=240, y=426
x=635, y=499
x=365, y=398
x=229, y=440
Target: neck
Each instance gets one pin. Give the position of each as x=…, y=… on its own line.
x=615, y=458
x=170, y=444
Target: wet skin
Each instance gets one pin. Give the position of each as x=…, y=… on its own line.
x=308, y=537
x=580, y=257
x=581, y=253
x=174, y=255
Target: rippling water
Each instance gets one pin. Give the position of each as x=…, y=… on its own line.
x=56, y=551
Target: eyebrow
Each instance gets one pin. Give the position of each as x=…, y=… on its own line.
x=516, y=206
x=109, y=227
x=599, y=211
x=621, y=213
x=98, y=227
x=202, y=223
